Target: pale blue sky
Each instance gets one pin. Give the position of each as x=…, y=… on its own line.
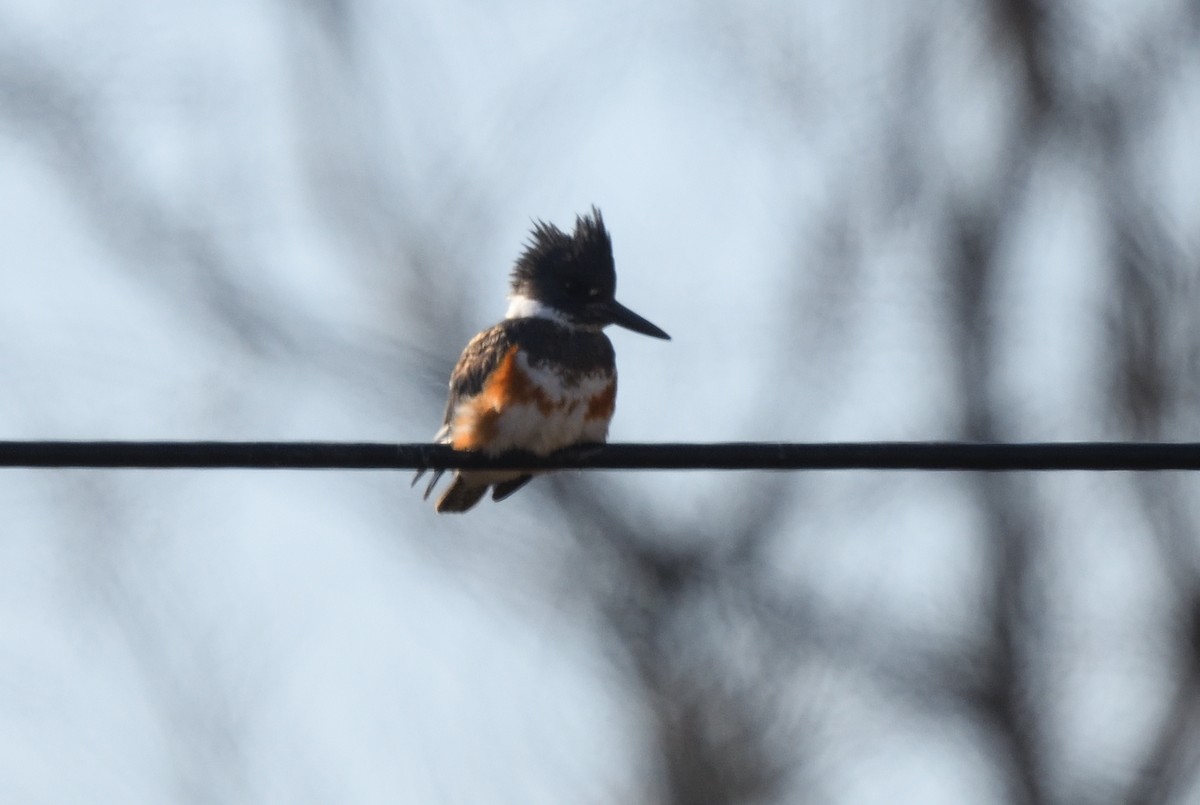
x=217, y=218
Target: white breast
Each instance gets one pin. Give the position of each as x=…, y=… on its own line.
x=527, y=426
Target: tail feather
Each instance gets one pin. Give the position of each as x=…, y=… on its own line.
x=460, y=496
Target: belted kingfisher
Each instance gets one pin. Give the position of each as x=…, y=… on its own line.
x=544, y=378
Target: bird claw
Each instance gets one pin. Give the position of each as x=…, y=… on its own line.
x=437, y=476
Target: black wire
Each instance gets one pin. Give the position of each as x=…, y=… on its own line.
x=715, y=456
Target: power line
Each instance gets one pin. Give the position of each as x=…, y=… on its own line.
x=1037, y=456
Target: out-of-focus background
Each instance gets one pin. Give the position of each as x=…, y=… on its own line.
x=859, y=220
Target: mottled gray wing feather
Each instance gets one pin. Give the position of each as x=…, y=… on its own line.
x=479, y=359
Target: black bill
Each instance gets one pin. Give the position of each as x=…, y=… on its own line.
x=624, y=317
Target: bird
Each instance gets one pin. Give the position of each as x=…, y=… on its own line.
x=545, y=377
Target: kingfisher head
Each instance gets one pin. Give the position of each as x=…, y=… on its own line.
x=571, y=279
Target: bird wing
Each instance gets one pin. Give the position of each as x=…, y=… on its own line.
x=480, y=358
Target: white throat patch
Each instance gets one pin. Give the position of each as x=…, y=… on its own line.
x=522, y=307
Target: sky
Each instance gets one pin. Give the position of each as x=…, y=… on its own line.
x=283, y=221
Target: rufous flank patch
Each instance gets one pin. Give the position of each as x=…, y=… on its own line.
x=476, y=425
x=602, y=405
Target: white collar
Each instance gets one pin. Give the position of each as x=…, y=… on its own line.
x=522, y=307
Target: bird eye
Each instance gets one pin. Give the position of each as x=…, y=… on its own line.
x=593, y=292
x=576, y=289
